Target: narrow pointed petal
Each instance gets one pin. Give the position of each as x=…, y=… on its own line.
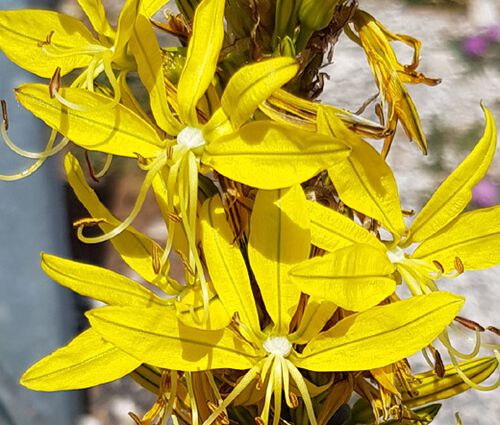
x=455, y=192
x=124, y=31
x=146, y=51
x=279, y=239
x=135, y=248
x=22, y=30
x=331, y=230
x=226, y=265
x=361, y=341
x=149, y=7
x=202, y=57
x=85, y=362
x=363, y=180
x=253, y=84
x=474, y=237
x=266, y=155
x=155, y=336
x=98, y=283
x=315, y=317
x=94, y=9
x=355, y=278
x=117, y=130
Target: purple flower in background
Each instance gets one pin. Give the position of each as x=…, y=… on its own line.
x=485, y=194
x=475, y=45
x=493, y=34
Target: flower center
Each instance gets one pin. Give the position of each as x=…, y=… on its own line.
x=191, y=138
x=396, y=255
x=278, y=345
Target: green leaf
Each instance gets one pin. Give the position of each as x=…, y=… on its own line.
x=85, y=362
x=361, y=341
x=269, y=156
x=456, y=191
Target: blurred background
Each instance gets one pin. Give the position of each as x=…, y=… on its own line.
x=461, y=45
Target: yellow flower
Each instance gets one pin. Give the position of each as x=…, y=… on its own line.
x=359, y=270
x=279, y=239
x=391, y=76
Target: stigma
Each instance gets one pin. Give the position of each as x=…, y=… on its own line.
x=278, y=345
x=191, y=138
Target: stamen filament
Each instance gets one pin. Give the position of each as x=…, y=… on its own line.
x=156, y=166
x=304, y=392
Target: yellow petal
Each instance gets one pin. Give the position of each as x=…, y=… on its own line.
x=355, y=278
x=202, y=56
x=226, y=265
x=149, y=7
x=456, y=191
x=94, y=9
x=98, y=283
x=431, y=388
x=253, y=84
x=331, y=230
x=266, y=155
x=190, y=310
x=155, y=336
x=135, y=248
x=473, y=237
x=85, y=362
x=126, y=22
x=316, y=315
x=363, y=180
x=146, y=51
x=118, y=130
x=279, y=239
x=381, y=335
x=22, y=30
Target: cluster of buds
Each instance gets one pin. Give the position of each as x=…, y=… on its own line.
x=286, y=220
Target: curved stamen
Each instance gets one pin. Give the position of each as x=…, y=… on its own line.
x=278, y=389
x=445, y=340
x=469, y=381
x=156, y=166
x=264, y=415
x=237, y=390
x=192, y=397
x=55, y=52
x=35, y=155
x=304, y=392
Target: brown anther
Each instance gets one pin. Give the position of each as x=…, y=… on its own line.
x=135, y=418
x=170, y=152
x=55, y=82
x=469, y=324
x=222, y=418
x=174, y=217
x=47, y=40
x=408, y=213
x=294, y=400
x=438, y=365
x=438, y=265
x=259, y=421
x=494, y=329
x=88, y=222
x=156, y=258
x=5, y=116
x=459, y=266
x=185, y=263
x=236, y=318
x=90, y=167
x=141, y=160
x=260, y=384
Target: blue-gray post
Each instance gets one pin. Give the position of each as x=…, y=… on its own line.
x=36, y=316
